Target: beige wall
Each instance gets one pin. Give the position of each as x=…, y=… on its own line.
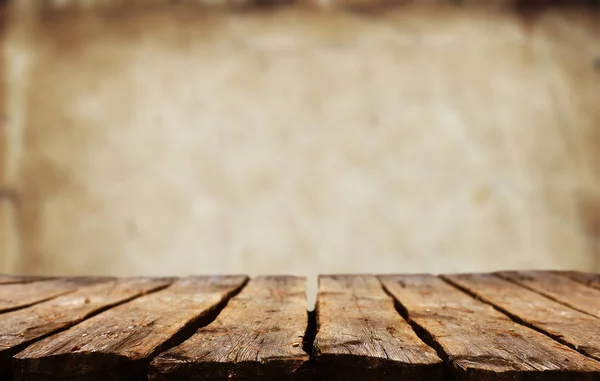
x=174, y=140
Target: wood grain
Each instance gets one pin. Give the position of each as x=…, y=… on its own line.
x=589, y=279
x=576, y=329
x=480, y=343
x=259, y=335
x=361, y=336
x=118, y=344
x=560, y=288
x=11, y=279
x=22, y=327
x=14, y=296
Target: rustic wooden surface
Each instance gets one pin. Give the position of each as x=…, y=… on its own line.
x=560, y=288
x=592, y=280
x=487, y=327
x=22, y=327
x=14, y=296
x=361, y=336
x=480, y=343
x=537, y=311
x=11, y=279
x=258, y=336
x=118, y=343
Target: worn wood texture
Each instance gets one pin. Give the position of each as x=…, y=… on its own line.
x=259, y=335
x=592, y=280
x=480, y=343
x=14, y=296
x=573, y=328
x=361, y=336
x=119, y=343
x=560, y=288
x=22, y=327
x=11, y=279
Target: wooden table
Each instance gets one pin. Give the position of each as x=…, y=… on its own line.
x=500, y=326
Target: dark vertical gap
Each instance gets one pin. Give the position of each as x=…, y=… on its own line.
x=426, y=337
x=516, y=319
x=311, y=332
x=308, y=370
x=548, y=296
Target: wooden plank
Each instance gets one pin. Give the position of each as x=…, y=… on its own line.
x=576, y=329
x=259, y=335
x=480, y=343
x=11, y=279
x=361, y=336
x=560, y=288
x=22, y=327
x=589, y=279
x=119, y=343
x=14, y=296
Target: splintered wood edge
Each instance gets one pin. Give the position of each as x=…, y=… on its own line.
x=63, y=286
x=87, y=302
x=490, y=291
x=31, y=365
x=581, y=366
x=379, y=278
x=188, y=360
x=383, y=362
x=589, y=279
x=14, y=279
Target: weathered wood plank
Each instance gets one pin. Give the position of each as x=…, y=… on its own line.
x=361, y=336
x=22, y=327
x=119, y=343
x=480, y=343
x=259, y=335
x=19, y=295
x=560, y=288
x=589, y=279
x=576, y=329
x=11, y=279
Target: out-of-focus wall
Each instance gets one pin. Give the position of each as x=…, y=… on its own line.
x=173, y=139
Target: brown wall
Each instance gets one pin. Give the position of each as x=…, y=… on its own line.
x=180, y=139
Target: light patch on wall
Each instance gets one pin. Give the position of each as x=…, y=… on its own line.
x=183, y=141
x=9, y=239
x=16, y=59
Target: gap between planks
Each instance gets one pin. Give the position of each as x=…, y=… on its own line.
x=119, y=343
x=580, y=296
x=311, y=331
x=562, y=330
x=258, y=336
x=425, y=299
x=26, y=326
x=15, y=296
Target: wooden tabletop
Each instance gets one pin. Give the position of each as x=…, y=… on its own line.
x=494, y=326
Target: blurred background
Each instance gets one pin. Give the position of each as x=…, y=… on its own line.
x=164, y=137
